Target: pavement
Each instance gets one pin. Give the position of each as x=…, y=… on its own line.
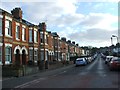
x=15, y=81
x=56, y=66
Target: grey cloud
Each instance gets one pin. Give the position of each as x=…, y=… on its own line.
x=91, y=20
x=94, y=34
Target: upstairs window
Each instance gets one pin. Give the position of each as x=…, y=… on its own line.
x=23, y=34
x=8, y=28
x=30, y=35
x=42, y=38
x=35, y=36
x=0, y=54
x=0, y=26
x=46, y=41
x=17, y=32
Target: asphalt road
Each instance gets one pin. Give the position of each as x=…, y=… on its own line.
x=93, y=75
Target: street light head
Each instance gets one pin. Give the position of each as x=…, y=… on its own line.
x=114, y=36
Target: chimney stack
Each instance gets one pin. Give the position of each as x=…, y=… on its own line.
x=69, y=41
x=42, y=26
x=73, y=42
x=17, y=13
x=63, y=38
x=77, y=44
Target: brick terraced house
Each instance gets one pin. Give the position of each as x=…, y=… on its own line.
x=22, y=42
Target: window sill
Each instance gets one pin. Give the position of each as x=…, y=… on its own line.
x=24, y=40
x=1, y=63
x=30, y=41
x=35, y=42
x=7, y=63
x=17, y=39
x=1, y=34
x=9, y=36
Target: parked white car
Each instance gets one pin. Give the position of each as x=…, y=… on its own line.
x=108, y=58
x=80, y=61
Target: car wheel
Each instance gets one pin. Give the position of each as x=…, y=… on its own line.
x=105, y=62
x=76, y=65
x=111, y=69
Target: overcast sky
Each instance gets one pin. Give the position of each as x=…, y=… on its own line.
x=87, y=23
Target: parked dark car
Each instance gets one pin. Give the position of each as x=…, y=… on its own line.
x=114, y=64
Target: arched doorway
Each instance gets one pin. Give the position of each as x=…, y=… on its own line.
x=23, y=57
x=17, y=57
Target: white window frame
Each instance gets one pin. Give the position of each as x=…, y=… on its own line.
x=35, y=56
x=1, y=55
x=30, y=55
x=42, y=55
x=23, y=34
x=9, y=55
x=0, y=26
x=30, y=35
x=41, y=37
x=8, y=29
x=35, y=36
x=17, y=32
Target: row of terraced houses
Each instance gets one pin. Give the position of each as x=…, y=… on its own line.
x=21, y=41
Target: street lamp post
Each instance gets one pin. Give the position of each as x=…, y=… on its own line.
x=111, y=41
x=117, y=43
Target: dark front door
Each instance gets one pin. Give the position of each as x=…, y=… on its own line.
x=23, y=58
x=17, y=57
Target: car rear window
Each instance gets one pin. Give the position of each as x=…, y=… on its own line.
x=116, y=59
x=119, y=59
x=79, y=59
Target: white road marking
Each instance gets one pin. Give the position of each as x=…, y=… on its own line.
x=100, y=69
x=100, y=66
x=55, y=75
x=83, y=73
x=91, y=65
x=29, y=83
x=101, y=74
x=60, y=73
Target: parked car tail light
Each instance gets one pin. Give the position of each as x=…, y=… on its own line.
x=112, y=62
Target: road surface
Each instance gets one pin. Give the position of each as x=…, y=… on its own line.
x=93, y=75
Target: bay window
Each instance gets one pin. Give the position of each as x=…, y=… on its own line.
x=35, y=56
x=8, y=55
x=31, y=54
x=42, y=55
